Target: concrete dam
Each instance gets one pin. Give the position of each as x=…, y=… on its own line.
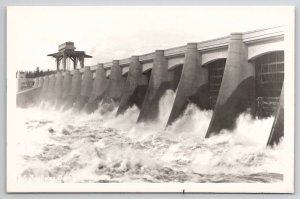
x=229, y=75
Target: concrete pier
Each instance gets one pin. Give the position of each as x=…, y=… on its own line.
x=231, y=74
x=66, y=87
x=135, y=88
x=43, y=95
x=86, y=88
x=41, y=82
x=158, y=84
x=75, y=89
x=193, y=84
x=277, y=130
x=28, y=97
x=36, y=82
x=116, y=84
x=58, y=87
x=99, y=87
x=237, y=91
x=31, y=96
x=50, y=89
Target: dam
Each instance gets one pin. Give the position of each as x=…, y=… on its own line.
x=242, y=72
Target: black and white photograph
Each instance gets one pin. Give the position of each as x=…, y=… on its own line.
x=150, y=99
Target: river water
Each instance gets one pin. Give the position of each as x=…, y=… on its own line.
x=67, y=146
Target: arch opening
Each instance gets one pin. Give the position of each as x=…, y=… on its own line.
x=269, y=76
x=175, y=75
x=147, y=73
x=141, y=89
x=125, y=75
x=215, y=76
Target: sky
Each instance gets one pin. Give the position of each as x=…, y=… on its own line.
x=110, y=33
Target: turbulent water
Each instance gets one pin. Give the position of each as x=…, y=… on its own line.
x=67, y=146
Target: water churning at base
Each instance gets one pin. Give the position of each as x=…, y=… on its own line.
x=69, y=146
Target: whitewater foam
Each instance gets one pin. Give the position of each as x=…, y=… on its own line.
x=57, y=145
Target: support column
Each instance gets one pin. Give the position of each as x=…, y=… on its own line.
x=50, y=89
x=75, y=62
x=278, y=125
x=75, y=88
x=193, y=84
x=41, y=82
x=57, y=63
x=99, y=88
x=43, y=95
x=135, y=89
x=58, y=86
x=237, y=91
x=36, y=82
x=157, y=86
x=81, y=59
x=19, y=82
x=66, y=87
x=86, y=88
x=116, y=83
x=64, y=62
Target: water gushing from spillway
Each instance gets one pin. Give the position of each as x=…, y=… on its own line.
x=68, y=146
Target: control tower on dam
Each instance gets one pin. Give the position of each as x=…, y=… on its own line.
x=229, y=75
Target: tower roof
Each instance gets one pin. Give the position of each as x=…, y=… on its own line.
x=69, y=49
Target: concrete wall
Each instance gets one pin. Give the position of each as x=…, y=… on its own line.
x=99, y=87
x=58, y=87
x=135, y=87
x=28, y=97
x=41, y=82
x=237, y=91
x=50, y=90
x=36, y=82
x=212, y=55
x=277, y=131
x=25, y=83
x=260, y=48
x=116, y=84
x=174, y=61
x=193, y=84
x=86, y=88
x=43, y=95
x=126, y=84
x=66, y=87
x=147, y=66
x=158, y=84
x=75, y=89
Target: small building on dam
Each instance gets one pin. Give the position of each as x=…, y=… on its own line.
x=229, y=75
